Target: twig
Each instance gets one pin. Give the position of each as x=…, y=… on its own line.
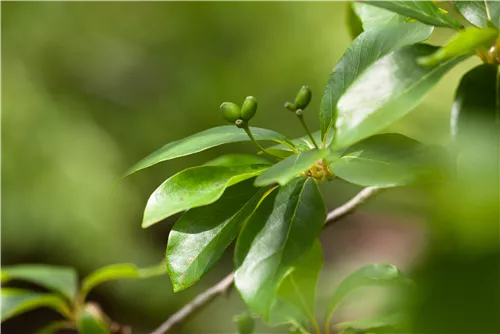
x=226, y=284
x=199, y=302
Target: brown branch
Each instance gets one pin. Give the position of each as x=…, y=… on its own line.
x=226, y=284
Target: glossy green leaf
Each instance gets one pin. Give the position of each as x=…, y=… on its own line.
x=476, y=12
x=354, y=23
x=467, y=41
x=385, y=92
x=388, y=160
x=281, y=231
x=283, y=313
x=58, y=279
x=374, y=17
x=423, y=11
x=203, y=141
x=17, y=301
x=364, y=51
x=299, y=286
x=475, y=109
x=281, y=153
x=381, y=324
x=90, y=321
x=55, y=327
x=377, y=274
x=290, y=168
x=200, y=237
x=194, y=187
x=237, y=160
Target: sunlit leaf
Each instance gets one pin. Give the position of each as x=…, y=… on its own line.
x=353, y=21
x=465, y=42
x=377, y=274
x=475, y=11
x=375, y=325
x=385, y=92
x=199, y=238
x=364, y=51
x=202, y=141
x=194, y=187
x=17, y=301
x=290, y=168
x=59, y=279
x=237, y=160
x=281, y=231
x=299, y=286
x=374, y=17
x=423, y=11
x=388, y=160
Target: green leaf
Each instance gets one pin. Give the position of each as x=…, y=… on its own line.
x=90, y=321
x=475, y=12
x=299, y=286
x=465, y=42
x=385, y=92
x=203, y=141
x=55, y=327
x=199, y=238
x=281, y=231
x=423, y=11
x=17, y=301
x=194, y=187
x=374, y=17
x=377, y=274
x=237, y=160
x=380, y=324
x=353, y=21
x=288, y=169
x=58, y=279
x=475, y=108
x=282, y=153
x=364, y=51
x=388, y=160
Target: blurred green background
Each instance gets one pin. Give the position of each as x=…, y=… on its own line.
x=90, y=88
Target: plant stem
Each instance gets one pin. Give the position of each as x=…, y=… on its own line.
x=304, y=125
x=252, y=138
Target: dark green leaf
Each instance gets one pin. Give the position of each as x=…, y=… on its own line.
x=290, y=168
x=202, y=141
x=90, y=321
x=353, y=21
x=374, y=17
x=385, y=92
x=475, y=11
x=237, y=160
x=200, y=236
x=380, y=324
x=475, y=109
x=281, y=231
x=55, y=327
x=364, y=51
x=59, y=279
x=194, y=187
x=17, y=301
x=423, y=11
x=377, y=274
x=388, y=160
x=299, y=286
x=465, y=42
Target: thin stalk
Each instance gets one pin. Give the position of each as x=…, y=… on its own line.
x=304, y=125
x=252, y=138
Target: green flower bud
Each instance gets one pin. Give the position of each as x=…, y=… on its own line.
x=249, y=108
x=230, y=111
x=303, y=97
x=245, y=323
x=290, y=106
